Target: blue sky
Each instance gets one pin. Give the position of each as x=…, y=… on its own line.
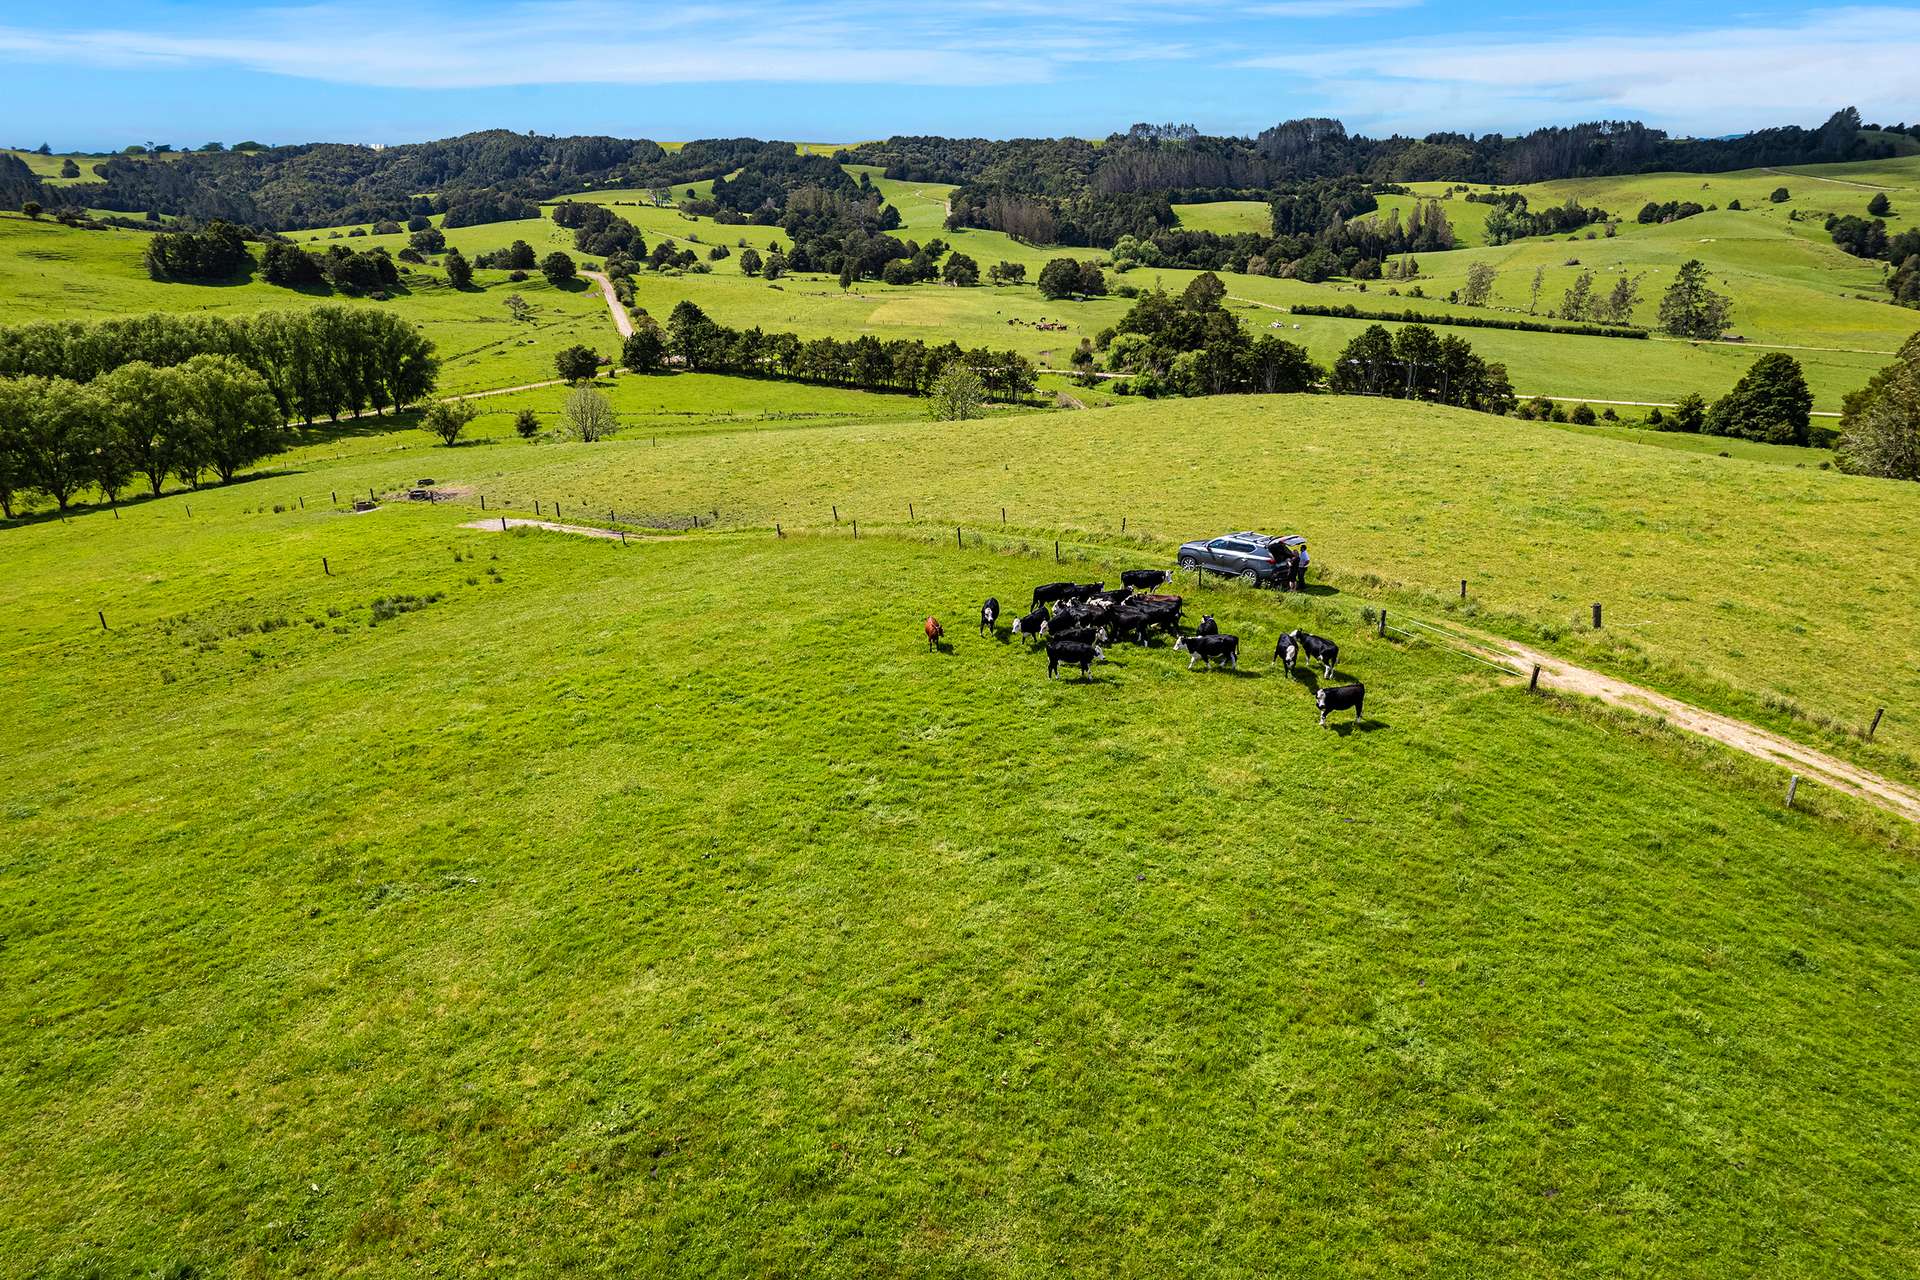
x=101, y=75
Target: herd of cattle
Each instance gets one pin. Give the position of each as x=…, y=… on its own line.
x=1076, y=620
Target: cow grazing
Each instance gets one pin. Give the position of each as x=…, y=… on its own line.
x=989, y=614
x=1338, y=697
x=1031, y=625
x=1076, y=635
x=1084, y=591
x=1207, y=627
x=1072, y=654
x=1145, y=579
x=1211, y=650
x=1129, y=623
x=1317, y=648
x=1053, y=593
x=934, y=631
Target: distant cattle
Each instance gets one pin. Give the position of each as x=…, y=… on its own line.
x=1210, y=650
x=1110, y=598
x=1145, y=579
x=1207, y=627
x=1339, y=698
x=989, y=614
x=1075, y=635
x=1317, y=648
x=934, y=631
x=1072, y=654
x=1031, y=625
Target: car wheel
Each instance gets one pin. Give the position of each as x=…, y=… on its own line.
x=1188, y=562
x=1251, y=578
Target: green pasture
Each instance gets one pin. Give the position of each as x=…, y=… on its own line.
x=1757, y=582
x=51, y=272
x=609, y=910
x=1227, y=217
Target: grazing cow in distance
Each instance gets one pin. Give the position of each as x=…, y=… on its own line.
x=1145, y=579
x=1072, y=654
x=1055, y=592
x=989, y=614
x=934, y=631
x=1339, y=698
x=1207, y=627
x=1317, y=648
x=1211, y=649
x=1033, y=624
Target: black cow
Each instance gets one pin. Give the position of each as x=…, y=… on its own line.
x=1031, y=625
x=1128, y=622
x=1207, y=627
x=1053, y=593
x=1086, y=591
x=1110, y=598
x=989, y=614
x=1338, y=697
x=1075, y=635
x=1211, y=649
x=1145, y=579
x=1317, y=648
x=1072, y=654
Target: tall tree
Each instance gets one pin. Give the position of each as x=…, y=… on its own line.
x=1478, y=290
x=232, y=411
x=459, y=270
x=1690, y=309
x=1880, y=423
x=150, y=418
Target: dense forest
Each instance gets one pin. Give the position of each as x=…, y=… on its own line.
x=1050, y=190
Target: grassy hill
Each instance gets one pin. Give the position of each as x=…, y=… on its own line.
x=643, y=908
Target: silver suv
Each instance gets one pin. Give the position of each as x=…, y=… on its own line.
x=1255, y=558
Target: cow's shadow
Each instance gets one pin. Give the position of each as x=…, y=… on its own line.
x=1347, y=727
x=943, y=646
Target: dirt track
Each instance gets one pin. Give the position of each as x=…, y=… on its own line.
x=621, y=320
x=1764, y=744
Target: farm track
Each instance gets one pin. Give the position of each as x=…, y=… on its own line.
x=621, y=320
x=1763, y=744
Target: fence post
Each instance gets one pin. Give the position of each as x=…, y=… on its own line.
x=536, y=506
x=836, y=515
x=909, y=511
x=1793, y=785
x=1056, y=551
x=325, y=568
x=503, y=524
x=1123, y=524
x=1382, y=633
x=958, y=541
x=1596, y=617
x=483, y=502
x=1003, y=517
x=103, y=619
x=623, y=537
x=1463, y=588
x=1534, y=683
x=371, y=495
x=1876, y=722
x=335, y=495
x=189, y=512
x=856, y=531
x=776, y=530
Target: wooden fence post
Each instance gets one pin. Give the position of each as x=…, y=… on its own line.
x=325, y=568
x=1003, y=517
x=1056, y=551
x=1596, y=617
x=1793, y=785
x=1382, y=633
x=335, y=495
x=958, y=541
x=103, y=619
x=536, y=506
x=776, y=530
x=856, y=531
x=1876, y=722
x=909, y=511
x=1534, y=683
x=1463, y=588
x=483, y=502
x=503, y=524
x=836, y=515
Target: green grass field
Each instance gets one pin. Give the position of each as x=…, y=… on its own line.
x=646, y=909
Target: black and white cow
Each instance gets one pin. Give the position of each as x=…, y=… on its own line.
x=1033, y=624
x=1210, y=650
x=1317, y=648
x=1129, y=622
x=1338, y=697
x=1145, y=579
x=1072, y=654
x=1207, y=627
x=1053, y=593
x=989, y=614
x=1117, y=596
x=1075, y=635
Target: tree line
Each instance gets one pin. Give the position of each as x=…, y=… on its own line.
x=695, y=342
x=1408, y=315
x=1868, y=238
x=317, y=363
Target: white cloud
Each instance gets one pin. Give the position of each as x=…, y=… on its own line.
x=595, y=42
x=1704, y=79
